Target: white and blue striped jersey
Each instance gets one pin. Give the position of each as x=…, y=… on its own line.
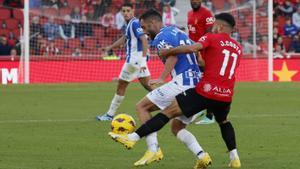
x=186, y=71
x=134, y=47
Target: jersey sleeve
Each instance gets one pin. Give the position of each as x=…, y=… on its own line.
x=205, y=40
x=137, y=30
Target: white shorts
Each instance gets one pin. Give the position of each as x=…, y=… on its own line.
x=163, y=96
x=131, y=71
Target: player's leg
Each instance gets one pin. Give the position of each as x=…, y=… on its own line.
x=154, y=153
x=179, y=130
x=189, y=101
x=127, y=74
x=144, y=78
x=221, y=110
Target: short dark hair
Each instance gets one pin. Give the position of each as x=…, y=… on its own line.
x=151, y=14
x=226, y=17
x=127, y=4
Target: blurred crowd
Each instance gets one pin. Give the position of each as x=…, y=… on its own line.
x=286, y=27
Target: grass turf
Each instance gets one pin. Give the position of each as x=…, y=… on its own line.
x=53, y=127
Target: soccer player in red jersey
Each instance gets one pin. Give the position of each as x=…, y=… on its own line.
x=200, y=21
x=214, y=91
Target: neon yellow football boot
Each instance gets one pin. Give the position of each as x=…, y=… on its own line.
x=150, y=157
x=235, y=163
x=123, y=139
x=204, y=162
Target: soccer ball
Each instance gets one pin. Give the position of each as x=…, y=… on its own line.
x=123, y=123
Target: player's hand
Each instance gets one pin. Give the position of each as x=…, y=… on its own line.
x=163, y=53
x=156, y=82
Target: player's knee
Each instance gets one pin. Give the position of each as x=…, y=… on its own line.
x=176, y=126
x=221, y=121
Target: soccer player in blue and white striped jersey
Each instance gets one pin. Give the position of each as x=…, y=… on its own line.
x=135, y=65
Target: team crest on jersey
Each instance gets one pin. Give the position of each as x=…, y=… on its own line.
x=139, y=30
x=206, y=87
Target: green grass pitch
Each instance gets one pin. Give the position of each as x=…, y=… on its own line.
x=54, y=127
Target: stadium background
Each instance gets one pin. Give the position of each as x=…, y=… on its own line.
x=78, y=58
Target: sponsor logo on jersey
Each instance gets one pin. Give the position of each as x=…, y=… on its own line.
x=203, y=38
x=210, y=20
x=221, y=91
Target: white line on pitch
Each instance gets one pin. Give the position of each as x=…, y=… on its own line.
x=91, y=119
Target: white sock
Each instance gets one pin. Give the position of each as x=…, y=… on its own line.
x=233, y=154
x=115, y=104
x=152, y=142
x=134, y=136
x=191, y=142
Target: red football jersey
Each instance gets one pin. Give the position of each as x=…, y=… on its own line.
x=198, y=22
x=222, y=55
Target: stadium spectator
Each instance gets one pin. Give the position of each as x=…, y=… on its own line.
x=295, y=45
x=77, y=52
x=56, y=4
x=4, y=47
x=278, y=52
x=51, y=49
x=76, y=15
x=286, y=8
x=290, y=29
x=35, y=4
x=13, y=54
x=67, y=30
x=99, y=9
x=83, y=29
x=13, y=3
x=36, y=31
x=263, y=45
x=169, y=14
x=51, y=29
x=296, y=18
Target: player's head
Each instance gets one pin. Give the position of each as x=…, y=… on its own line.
x=224, y=23
x=196, y=4
x=127, y=11
x=151, y=22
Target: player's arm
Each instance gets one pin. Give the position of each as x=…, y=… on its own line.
x=116, y=44
x=169, y=65
x=180, y=50
x=144, y=40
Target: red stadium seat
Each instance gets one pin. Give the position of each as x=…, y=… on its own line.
x=287, y=43
x=74, y=43
x=4, y=13
x=11, y=42
x=4, y=32
x=51, y=12
x=18, y=14
x=90, y=43
x=218, y=4
x=65, y=11
x=12, y=23
x=16, y=33
x=74, y=3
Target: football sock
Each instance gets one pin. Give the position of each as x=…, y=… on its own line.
x=115, y=103
x=152, y=142
x=209, y=115
x=154, y=124
x=233, y=153
x=191, y=142
x=228, y=135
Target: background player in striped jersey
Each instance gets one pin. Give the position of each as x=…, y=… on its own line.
x=135, y=65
